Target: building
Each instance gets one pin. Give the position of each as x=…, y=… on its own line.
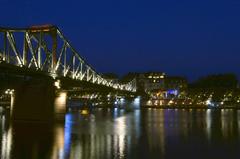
x=175, y=85
x=175, y=82
x=159, y=85
x=151, y=81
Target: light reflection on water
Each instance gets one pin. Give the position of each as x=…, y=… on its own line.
x=117, y=133
x=238, y=121
x=227, y=122
x=208, y=123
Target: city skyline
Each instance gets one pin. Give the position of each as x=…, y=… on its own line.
x=188, y=38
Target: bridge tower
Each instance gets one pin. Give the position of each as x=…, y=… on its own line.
x=42, y=31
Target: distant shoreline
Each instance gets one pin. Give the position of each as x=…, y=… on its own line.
x=173, y=107
x=190, y=107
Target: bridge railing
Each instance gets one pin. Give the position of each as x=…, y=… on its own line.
x=45, y=48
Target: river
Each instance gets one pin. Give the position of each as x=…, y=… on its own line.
x=117, y=133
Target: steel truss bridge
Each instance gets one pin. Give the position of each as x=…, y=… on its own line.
x=45, y=48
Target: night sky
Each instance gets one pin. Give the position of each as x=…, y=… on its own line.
x=180, y=37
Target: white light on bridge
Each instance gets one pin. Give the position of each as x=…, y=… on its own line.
x=9, y=91
x=57, y=84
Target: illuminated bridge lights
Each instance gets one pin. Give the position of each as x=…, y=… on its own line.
x=9, y=91
x=45, y=48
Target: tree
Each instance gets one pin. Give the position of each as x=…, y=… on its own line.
x=228, y=81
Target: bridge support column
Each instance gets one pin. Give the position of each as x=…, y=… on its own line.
x=34, y=101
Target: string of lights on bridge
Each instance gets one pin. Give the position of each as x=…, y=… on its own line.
x=45, y=48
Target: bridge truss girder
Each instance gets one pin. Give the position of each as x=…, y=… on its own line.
x=48, y=50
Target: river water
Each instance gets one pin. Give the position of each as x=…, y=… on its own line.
x=118, y=133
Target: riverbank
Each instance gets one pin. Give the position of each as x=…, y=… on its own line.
x=189, y=107
x=172, y=107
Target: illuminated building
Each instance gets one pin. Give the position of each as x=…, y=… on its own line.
x=151, y=81
x=159, y=85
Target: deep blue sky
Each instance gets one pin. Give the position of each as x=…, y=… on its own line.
x=180, y=37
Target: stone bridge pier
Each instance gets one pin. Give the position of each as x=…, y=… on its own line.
x=37, y=101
